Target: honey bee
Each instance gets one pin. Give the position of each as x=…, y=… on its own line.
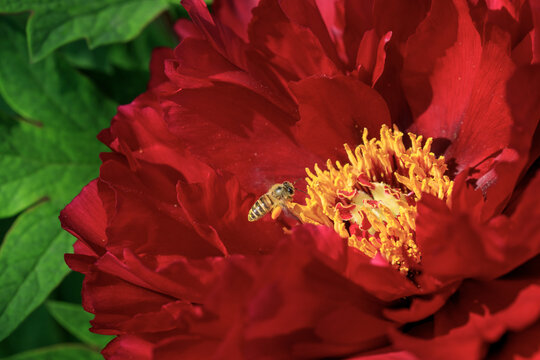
x=278, y=195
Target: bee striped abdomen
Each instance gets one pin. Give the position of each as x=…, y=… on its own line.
x=261, y=207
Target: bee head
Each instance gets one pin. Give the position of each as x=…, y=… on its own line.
x=289, y=188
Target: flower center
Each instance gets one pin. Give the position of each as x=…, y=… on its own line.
x=371, y=201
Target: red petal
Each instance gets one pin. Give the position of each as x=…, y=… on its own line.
x=458, y=89
x=475, y=322
x=307, y=14
x=198, y=64
x=454, y=246
x=359, y=324
x=185, y=28
x=422, y=306
x=467, y=199
x=112, y=316
x=334, y=112
x=199, y=14
x=367, y=55
x=235, y=14
x=241, y=133
x=143, y=216
x=86, y=219
x=291, y=48
x=333, y=14
x=515, y=345
x=487, y=120
x=434, y=62
x=140, y=133
x=157, y=75
x=128, y=347
x=524, y=101
x=535, y=11
x=220, y=205
x=377, y=278
x=250, y=302
x=188, y=347
x=389, y=355
x=500, y=4
x=401, y=18
x=304, y=270
x=522, y=54
x=380, y=61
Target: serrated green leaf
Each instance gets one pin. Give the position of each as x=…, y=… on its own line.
x=42, y=166
x=50, y=92
x=133, y=55
x=59, y=352
x=75, y=320
x=42, y=163
x=31, y=263
x=100, y=22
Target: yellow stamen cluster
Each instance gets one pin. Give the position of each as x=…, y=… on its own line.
x=371, y=201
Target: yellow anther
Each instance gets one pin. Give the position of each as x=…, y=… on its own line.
x=389, y=179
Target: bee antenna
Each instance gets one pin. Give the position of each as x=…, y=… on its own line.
x=296, y=189
x=295, y=181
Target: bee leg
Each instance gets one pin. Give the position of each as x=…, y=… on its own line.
x=276, y=212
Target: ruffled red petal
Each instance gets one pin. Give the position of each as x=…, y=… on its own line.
x=235, y=14
x=334, y=111
x=85, y=218
x=455, y=246
x=450, y=84
x=389, y=355
x=293, y=50
x=241, y=133
x=217, y=209
x=298, y=303
x=145, y=207
x=524, y=102
x=128, y=347
x=479, y=315
x=140, y=133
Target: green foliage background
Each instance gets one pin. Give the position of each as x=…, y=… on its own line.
x=65, y=65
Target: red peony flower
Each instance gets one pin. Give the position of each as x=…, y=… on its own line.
x=404, y=246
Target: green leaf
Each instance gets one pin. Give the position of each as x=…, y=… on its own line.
x=133, y=55
x=50, y=92
x=100, y=22
x=59, y=352
x=78, y=55
x=75, y=320
x=46, y=157
x=38, y=330
x=5, y=109
x=40, y=163
x=58, y=157
x=31, y=264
